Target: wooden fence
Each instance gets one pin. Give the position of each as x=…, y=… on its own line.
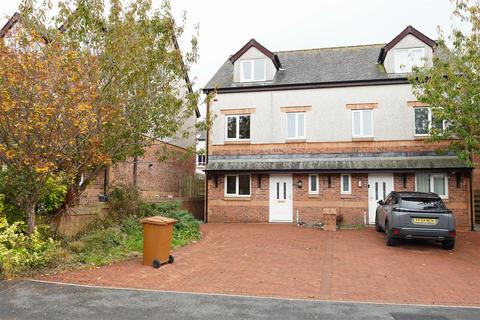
x=192, y=187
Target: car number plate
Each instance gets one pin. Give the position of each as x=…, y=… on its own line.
x=425, y=221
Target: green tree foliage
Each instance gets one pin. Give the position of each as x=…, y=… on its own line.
x=452, y=85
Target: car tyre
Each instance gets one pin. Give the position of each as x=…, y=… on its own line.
x=448, y=244
x=378, y=228
x=389, y=240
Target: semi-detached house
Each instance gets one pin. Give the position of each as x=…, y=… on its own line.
x=298, y=132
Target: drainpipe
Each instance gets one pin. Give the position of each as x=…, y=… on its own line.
x=207, y=139
x=472, y=211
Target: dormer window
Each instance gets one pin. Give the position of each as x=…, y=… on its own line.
x=406, y=59
x=253, y=70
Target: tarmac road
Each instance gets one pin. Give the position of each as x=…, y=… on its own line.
x=40, y=300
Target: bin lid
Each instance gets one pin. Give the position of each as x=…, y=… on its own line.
x=158, y=220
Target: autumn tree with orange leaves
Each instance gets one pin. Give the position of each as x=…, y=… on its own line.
x=47, y=114
x=92, y=92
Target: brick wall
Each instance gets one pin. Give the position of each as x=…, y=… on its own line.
x=326, y=147
x=252, y=209
x=350, y=207
x=157, y=178
x=353, y=208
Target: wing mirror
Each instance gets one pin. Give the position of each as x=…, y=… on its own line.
x=381, y=202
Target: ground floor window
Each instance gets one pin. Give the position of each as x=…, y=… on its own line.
x=313, y=184
x=237, y=185
x=432, y=182
x=346, y=184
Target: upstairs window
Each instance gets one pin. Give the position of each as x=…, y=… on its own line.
x=362, y=123
x=253, y=70
x=238, y=127
x=406, y=59
x=200, y=160
x=425, y=121
x=296, y=125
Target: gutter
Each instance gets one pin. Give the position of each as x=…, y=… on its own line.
x=300, y=86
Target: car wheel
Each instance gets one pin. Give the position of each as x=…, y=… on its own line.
x=378, y=228
x=448, y=244
x=389, y=240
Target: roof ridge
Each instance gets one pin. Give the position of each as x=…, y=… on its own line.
x=332, y=48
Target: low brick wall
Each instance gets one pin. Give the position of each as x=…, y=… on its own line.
x=81, y=217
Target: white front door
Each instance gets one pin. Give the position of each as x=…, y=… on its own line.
x=379, y=186
x=281, y=209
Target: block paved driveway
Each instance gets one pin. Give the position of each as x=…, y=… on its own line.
x=293, y=262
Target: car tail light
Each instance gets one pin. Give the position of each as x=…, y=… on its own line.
x=452, y=234
x=395, y=231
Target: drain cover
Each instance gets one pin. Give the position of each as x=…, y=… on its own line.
x=416, y=316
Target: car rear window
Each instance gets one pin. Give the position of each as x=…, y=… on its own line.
x=422, y=203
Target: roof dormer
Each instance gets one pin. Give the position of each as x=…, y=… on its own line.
x=254, y=63
x=408, y=49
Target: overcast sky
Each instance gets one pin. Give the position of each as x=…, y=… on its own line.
x=225, y=26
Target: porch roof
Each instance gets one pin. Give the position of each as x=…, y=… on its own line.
x=337, y=163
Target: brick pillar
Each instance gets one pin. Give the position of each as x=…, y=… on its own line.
x=330, y=219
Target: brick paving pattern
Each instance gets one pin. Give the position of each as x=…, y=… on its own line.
x=292, y=262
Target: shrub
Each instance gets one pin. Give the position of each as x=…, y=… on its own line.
x=186, y=229
x=54, y=198
x=21, y=254
x=124, y=201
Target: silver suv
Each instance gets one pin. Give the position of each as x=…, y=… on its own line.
x=415, y=215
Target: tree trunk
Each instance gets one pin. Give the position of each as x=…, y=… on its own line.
x=135, y=171
x=31, y=218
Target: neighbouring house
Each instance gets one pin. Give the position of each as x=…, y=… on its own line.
x=302, y=132
x=157, y=178
x=201, y=155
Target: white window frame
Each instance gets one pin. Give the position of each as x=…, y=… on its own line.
x=203, y=157
x=237, y=133
x=431, y=177
x=237, y=182
x=297, y=135
x=430, y=118
x=310, y=191
x=409, y=66
x=349, y=191
x=361, y=135
x=252, y=70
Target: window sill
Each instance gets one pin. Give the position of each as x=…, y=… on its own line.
x=235, y=198
x=300, y=140
x=238, y=142
x=422, y=137
x=314, y=195
x=363, y=139
x=346, y=196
